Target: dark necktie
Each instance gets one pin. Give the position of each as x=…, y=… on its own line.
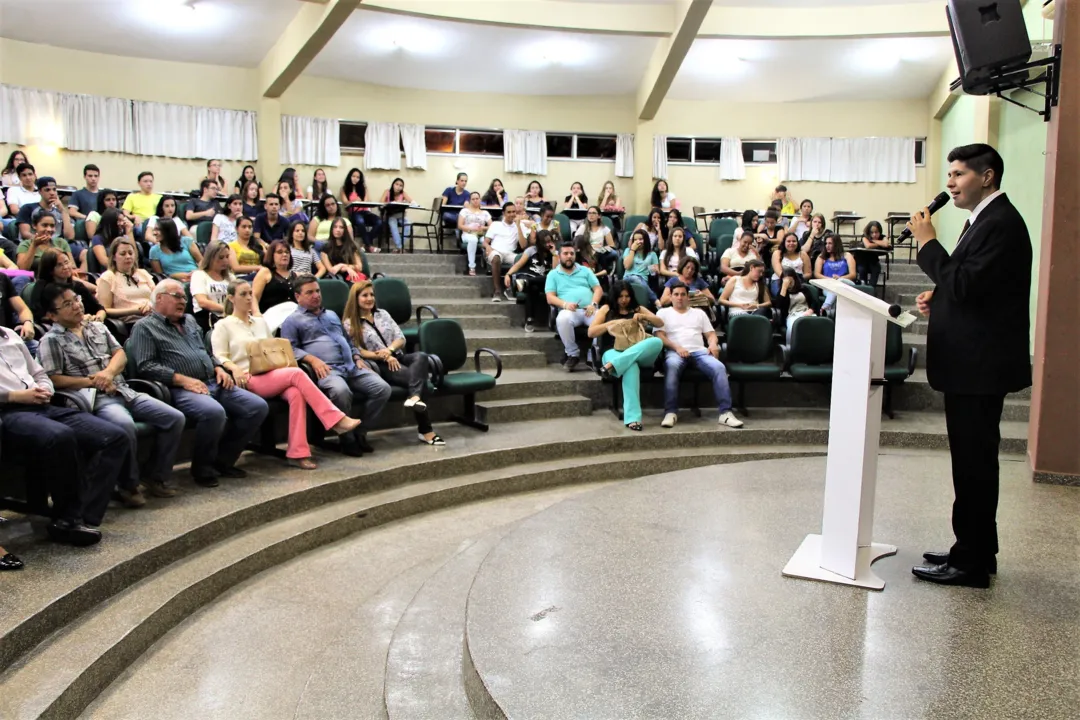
x=963, y=233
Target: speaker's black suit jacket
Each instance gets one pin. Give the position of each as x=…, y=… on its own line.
x=977, y=342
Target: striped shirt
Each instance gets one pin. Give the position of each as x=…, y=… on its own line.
x=157, y=350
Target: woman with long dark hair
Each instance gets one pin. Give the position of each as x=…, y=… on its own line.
x=600, y=237
x=173, y=254
x=305, y=259
x=366, y=224
x=656, y=229
x=8, y=176
x=341, y=257
x=273, y=282
x=663, y=198
x=746, y=293
x=869, y=269
x=395, y=218
x=124, y=289
x=534, y=196
x=813, y=240
x=529, y=273
x=247, y=250
x=326, y=212
x=674, y=220
x=55, y=267
x=748, y=224
x=789, y=255
x=106, y=200
x=224, y=222
x=114, y=224
x=210, y=283
x=640, y=263
x=250, y=193
x=626, y=364
x=319, y=185
x=496, y=195
x=674, y=252
x=794, y=300
x=576, y=200
x=248, y=175
x=835, y=264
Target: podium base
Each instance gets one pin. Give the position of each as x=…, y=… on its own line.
x=806, y=563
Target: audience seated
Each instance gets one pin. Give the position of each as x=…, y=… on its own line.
x=248, y=175
x=473, y=223
x=206, y=207
x=273, y=282
x=9, y=176
x=675, y=220
x=141, y=205
x=107, y=200
x=604, y=244
x=789, y=255
x=575, y=292
x=794, y=300
x=620, y=309
x=232, y=340
x=251, y=197
x=224, y=229
x=529, y=274
x=340, y=256
x=747, y=293
x=547, y=222
x=749, y=224
x=782, y=196
x=682, y=332
x=319, y=186
x=166, y=210
x=673, y=254
x=326, y=212
x=124, y=289
x=25, y=192
x=527, y=218
x=534, y=197
x=56, y=267
x=380, y=342
x=769, y=233
x=84, y=356
x=501, y=244
x=800, y=224
x=586, y=258
x=698, y=289
x=247, y=251
x=83, y=202
x=496, y=195
x=663, y=198
x=869, y=269
x=319, y=341
x=656, y=229
x=113, y=225
x=836, y=264
x=366, y=224
x=576, y=200
x=609, y=200
x=292, y=207
x=174, y=255
x=396, y=220
x=271, y=224
x=305, y=258
x=210, y=283
x=735, y=257
x=456, y=195
x=296, y=195
x=50, y=204
x=167, y=346
x=813, y=240
x=15, y=315
x=79, y=457
x=213, y=172
x=640, y=263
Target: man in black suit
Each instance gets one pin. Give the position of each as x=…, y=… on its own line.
x=976, y=350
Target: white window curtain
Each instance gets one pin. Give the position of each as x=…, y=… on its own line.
x=225, y=134
x=98, y=124
x=30, y=117
x=310, y=141
x=624, y=155
x=414, y=142
x=164, y=129
x=525, y=151
x=847, y=160
x=732, y=166
x=659, y=157
x=808, y=159
x=382, y=147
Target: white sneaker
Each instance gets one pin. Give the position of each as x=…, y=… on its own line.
x=669, y=420
x=529, y=326
x=728, y=418
x=496, y=298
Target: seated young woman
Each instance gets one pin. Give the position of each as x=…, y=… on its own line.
x=224, y=229
x=609, y=200
x=124, y=289
x=813, y=240
x=534, y=197
x=749, y=224
x=626, y=364
x=230, y=340
x=496, y=195
x=789, y=255
x=747, y=293
x=251, y=195
x=326, y=212
x=529, y=274
x=247, y=251
x=167, y=210
x=689, y=275
x=381, y=343
x=640, y=263
x=366, y=224
x=319, y=185
x=735, y=257
x=576, y=200
x=794, y=300
x=675, y=220
x=473, y=223
x=656, y=228
x=663, y=198
x=106, y=200
x=273, y=282
x=599, y=235
x=395, y=219
x=587, y=258
x=210, y=284
x=173, y=254
x=292, y=207
x=341, y=257
x=801, y=222
x=873, y=239
x=770, y=230
x=674, y=253
x=55, y=267
x=306, y=260
x=547, y=222
x=113, y=225
x=248, y=175
x=836, y=264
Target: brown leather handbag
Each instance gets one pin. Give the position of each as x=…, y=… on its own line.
x=627, y=333
x=270, y=354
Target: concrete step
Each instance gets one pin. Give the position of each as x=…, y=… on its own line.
x=905, y=289
x=1016, y=410
x=494, y=321
x=462, y=306
x=917, y=341
x=511, y=359
x=538, y=408
x=420, y=279
x=434, y=287
x=514, y=338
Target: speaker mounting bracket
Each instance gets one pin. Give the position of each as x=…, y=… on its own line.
x=1048, y=73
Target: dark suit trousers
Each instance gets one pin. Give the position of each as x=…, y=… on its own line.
x=973, y=423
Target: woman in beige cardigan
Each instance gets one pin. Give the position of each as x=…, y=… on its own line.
x=230, y=340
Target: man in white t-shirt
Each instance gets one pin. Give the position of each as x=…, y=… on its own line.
x=684, y=334
x=26, y=192
x=501, y=246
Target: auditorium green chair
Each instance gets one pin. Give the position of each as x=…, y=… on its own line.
x=80, y=232
x=392, y=295
x=633, y=221
x=335, y=294
x=203, y=233
x=564, y=226
x=896, y=370
x=749, y=354
x=607, y=221
x=810, y=355
x=445, y=340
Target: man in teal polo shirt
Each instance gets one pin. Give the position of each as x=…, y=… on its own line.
x=576, y=292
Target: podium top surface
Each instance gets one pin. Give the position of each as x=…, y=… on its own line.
x=869, y=302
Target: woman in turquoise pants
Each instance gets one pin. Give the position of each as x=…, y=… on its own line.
x=626, y=364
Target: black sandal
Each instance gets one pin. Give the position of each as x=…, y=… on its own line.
x=635, y=426
x=607, y=374
x=436, y=440
x=10, y=562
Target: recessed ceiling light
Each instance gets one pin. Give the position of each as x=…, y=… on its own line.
x=556, y=52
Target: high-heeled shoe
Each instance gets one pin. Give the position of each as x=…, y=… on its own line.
x=10, y=562
x=345, y=425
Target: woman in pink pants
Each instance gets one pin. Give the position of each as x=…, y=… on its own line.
x=230, y=340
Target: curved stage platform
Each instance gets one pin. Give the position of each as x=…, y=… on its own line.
x=660, y=597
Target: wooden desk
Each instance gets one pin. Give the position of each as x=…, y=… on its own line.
x=840, y=220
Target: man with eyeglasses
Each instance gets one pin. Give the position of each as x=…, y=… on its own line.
x=87, y=359
x=79, y=457
x=167, y=346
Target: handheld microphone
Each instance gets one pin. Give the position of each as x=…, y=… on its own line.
x=935, y=205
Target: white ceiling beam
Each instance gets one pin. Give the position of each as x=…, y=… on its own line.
x=668, y=57
x=307, y=34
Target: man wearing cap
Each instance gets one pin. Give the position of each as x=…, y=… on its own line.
x=49, y=202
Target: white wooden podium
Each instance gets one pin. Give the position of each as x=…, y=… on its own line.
x=844, y=550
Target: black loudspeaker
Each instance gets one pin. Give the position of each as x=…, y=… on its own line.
x=988, y=36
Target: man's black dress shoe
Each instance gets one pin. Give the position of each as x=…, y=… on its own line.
x=71, y=533
x=362, y=443
x=349, y=446
x=948, y=575
x=10, y=562
x=204, y=476
x=229, y=471
x=940, y=558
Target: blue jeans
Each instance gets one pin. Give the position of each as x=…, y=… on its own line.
x=366, y=226
x=226, y=420
x=638, y=280
x=167, y=420
x=709, y=366
x=398, y=225
x=830, y=298
x=372, y=389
